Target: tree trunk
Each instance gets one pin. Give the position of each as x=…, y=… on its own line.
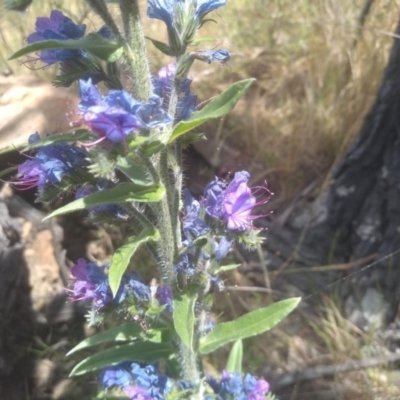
x=359, y=215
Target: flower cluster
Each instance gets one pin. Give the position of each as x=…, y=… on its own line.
x=232, y=203
x=137, y=382
x=117, y=115
x=91, y=283
x=57, y=27
x=144, y=382
x=182, y=18
x=233, y=386
x=50, y=164
x=163, y=84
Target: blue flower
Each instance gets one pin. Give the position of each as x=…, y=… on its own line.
x=118, y=375
x=213, y=198
x=156, y=385
x=165, y=10
x=139, y=289
x=163, y=85
x=164, y=297
x=185, y=265
x=117, y=115
x=221, y=56
x=50, y=164
x=203, y=7
x=222, y=248
x=162, y=10
x=57, y=27
x=192, y=225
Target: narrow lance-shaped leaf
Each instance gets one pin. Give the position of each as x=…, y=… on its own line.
x=235, y=359
x=122, y=333
x=217, y=108
x=140, y=352
x=183, y=315
x=92, y=43
x=70, y=137
x=123, y=255
x=135, y=172
x=123, y=193
x=251, y=324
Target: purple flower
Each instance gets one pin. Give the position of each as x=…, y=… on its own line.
x=137, y=393
x=233, y=204
x=57, y=27
x=117, y=115
x=117, y=375
x=192, y=225
x=232, y=386
x=50, y=164
x=164, y=297
x=255, y=389
x=163, y=86
x=91, y=283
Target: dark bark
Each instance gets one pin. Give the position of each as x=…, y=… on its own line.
x=359, y=215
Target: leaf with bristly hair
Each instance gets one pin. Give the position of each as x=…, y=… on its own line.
x=123, y=255
x=250, y=324
x=93, y=43
x=216, y=108
x=148, y=352
x=123, y=193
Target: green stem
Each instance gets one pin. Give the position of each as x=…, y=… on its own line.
x=135, y=49
x=100, y=8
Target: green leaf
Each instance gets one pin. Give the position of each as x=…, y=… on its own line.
x=217, y=108
x=135, y=172
x=227, y=267
x=8, y=171
x=122, y=333
x=148, y=352
x=235, y=359
x=191, y=137
x=76, y=136
x=123, y=193
x=184, y=318
x=196, y=42
x=123, y=255
x=92, y=43
x=251, y=324
x=163, y=47
x=155, y=145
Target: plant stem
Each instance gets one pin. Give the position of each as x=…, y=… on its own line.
x=100, y=8
x=135, y=49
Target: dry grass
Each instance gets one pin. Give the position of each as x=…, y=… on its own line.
x=317, y=75
x=314, y=84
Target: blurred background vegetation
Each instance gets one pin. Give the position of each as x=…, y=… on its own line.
x=318, y=64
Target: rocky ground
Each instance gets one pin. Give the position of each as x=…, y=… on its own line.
x=315, y=354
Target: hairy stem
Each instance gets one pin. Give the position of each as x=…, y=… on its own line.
x=135, y=49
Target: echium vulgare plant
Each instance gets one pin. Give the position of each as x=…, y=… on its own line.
x=124, y=166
